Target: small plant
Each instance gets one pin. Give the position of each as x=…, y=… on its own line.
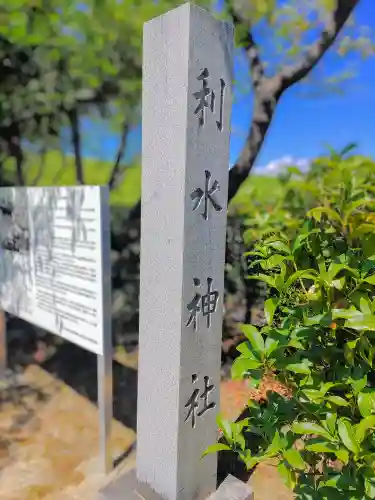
x=316, y=252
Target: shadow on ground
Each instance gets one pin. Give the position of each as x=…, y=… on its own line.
x=78, y=369
x=21, y=397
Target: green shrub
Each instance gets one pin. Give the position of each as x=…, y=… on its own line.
x=315, y=249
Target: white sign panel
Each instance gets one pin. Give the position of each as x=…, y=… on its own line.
x=54, y=260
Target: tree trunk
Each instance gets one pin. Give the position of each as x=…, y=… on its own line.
x=116, y=171
x=15, y=150
x=76, y=142
x=266, y=100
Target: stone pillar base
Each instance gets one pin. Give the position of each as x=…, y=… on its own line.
x=127, y=487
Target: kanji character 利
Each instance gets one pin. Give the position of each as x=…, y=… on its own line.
x=206, y=99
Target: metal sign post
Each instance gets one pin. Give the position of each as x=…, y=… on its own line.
x=3, y=345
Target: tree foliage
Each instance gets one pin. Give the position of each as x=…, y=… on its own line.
x=62, y=60
x=315, y=250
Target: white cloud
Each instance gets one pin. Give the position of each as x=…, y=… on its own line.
x=276, y=166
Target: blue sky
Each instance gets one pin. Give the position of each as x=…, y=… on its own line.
x=303, y=125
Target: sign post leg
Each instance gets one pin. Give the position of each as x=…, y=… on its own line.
x=104, y=359
x=3, y=345
x=105, y=405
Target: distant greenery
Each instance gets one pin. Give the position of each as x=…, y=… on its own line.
x=315, y=249
x=58, y=169
x=262, y=188
x=61, y=170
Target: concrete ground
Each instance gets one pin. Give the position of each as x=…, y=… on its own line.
x=49, y=440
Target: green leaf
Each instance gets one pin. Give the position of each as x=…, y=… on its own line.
x=358, y=384
x=225, y=426
x=370, y=487
x=363, y=426
x=343, y=455
x=366, y=403
x=313, y=320
x=363, y=229
x=313, y=395
x=331, y=419
x=370, y=280
x=243, y=366
x=273, y=261
x=310, y=428
x=294, y=459
x=270, y=345
x=335, y=268
x=337, y=400
x=287, y=475
x=347, y=435
x=280, y=280
x=304, y=274
x=275, y=446
x=346, y=313
x=317, y=213
x=280, y=246
x=346, y=149
x=361, y=322
x=239, y=439
x=255, y=337
x=214, y=448
x=354, y=205
x=247, y=351
x=241, y=424
x=368, y=245
x=338, y=284
x=299, y=241
x=321, y=448
x=349, y=352
x=269, y=309
x=302, y=368
x=251, y=462
x=263, y=277
x=365, y=305
x=369, y=458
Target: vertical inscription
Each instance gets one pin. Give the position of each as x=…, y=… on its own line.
x=205, y=304
x=206, y=194
x=193, y=402
x=206, y=98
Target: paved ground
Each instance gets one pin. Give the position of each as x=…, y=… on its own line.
x=49, y=439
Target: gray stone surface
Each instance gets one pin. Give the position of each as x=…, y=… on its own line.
x=232, y=489
x=128, y=488
x=179, y=247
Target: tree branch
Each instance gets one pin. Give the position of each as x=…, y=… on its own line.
x=266, y=98
x=293, y=74
x=269, y=90
x=13, y=139
x=76, y=142
x=116, y=170
x=249, y=44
